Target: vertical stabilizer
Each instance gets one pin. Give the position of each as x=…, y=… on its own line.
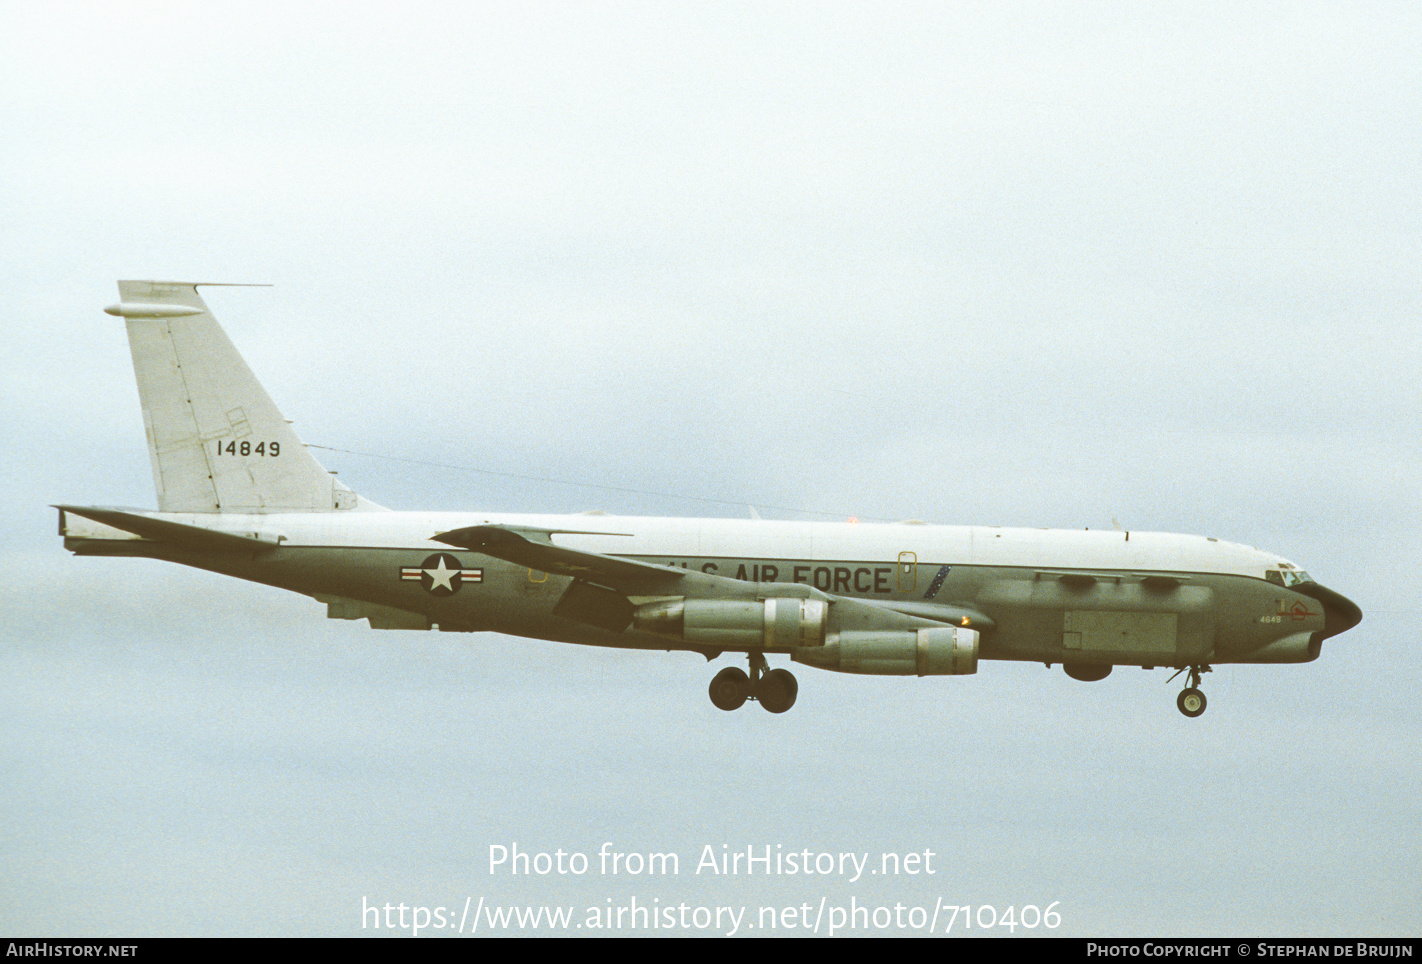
x=216, y=439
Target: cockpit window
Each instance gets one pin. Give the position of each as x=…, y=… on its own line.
x=1287, y=577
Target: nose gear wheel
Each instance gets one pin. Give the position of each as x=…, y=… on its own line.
x=1191, y=700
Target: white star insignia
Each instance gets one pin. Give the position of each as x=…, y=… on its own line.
x=442, y=576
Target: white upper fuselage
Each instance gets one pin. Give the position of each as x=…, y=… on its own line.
x=667, y=540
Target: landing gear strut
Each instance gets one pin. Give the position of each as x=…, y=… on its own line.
x=774, y=689
x=1191, y=701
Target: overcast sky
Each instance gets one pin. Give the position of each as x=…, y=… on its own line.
x=1016, y=264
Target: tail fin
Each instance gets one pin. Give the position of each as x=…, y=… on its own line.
x=217, y=441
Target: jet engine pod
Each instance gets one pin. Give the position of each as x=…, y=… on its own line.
x=778, y=623
x=945, y=651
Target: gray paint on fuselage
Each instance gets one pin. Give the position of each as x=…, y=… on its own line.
x=1218, y=617
x=1031, y=609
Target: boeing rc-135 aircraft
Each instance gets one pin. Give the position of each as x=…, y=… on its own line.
x=239, y=494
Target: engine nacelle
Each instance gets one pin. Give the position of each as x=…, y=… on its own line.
x=771, y=624
x=945, y=651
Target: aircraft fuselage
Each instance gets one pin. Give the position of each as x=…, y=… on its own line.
x=1048, y=595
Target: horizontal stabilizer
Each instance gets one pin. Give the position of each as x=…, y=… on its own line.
x=177, y=533
x=534, y=548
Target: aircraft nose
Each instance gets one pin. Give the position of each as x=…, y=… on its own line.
x=1340, y=613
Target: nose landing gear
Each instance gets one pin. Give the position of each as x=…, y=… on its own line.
x=775, y=689
x=1191, y=701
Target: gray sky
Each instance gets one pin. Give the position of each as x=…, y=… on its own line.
x=1032, y=264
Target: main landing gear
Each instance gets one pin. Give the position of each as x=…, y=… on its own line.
x=1191, y=701
x=775, y=690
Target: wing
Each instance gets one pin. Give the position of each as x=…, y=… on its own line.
x=713, y=613
x=534, y=548
x=950, y=613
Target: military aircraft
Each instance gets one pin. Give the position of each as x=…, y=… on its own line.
x=239, y=494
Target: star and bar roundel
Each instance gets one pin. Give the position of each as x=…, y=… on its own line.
x=441, y=574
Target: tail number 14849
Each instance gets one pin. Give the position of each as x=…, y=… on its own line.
x=264, y=449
